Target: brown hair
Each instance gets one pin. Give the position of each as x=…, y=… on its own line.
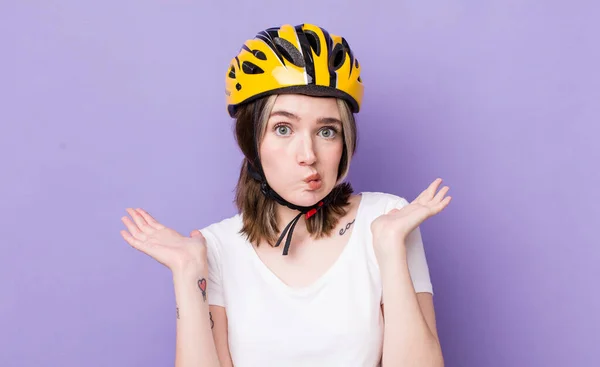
x=259, y=219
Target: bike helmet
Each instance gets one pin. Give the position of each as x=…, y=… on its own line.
x=303, y=59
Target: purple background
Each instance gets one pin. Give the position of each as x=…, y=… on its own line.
x=111, y=104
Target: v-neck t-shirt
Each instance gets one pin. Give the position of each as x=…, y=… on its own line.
x=334, y=321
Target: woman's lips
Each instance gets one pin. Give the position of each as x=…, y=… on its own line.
x=314, y=184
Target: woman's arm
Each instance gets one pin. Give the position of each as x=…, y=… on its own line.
x=195, y=346
x=218, y=317
x=187, y=259
x=409, y=338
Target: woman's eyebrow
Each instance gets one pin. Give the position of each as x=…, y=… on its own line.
x=322, y=120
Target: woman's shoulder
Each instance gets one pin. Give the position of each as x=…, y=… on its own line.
x=223, y=230
x=381, y=201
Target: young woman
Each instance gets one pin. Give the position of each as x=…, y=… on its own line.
x=307, y=273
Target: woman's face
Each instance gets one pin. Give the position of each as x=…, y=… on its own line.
x=302, y=147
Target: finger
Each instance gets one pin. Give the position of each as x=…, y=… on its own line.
x=196, y=233
x=139, y=220
x=429, y=192
x=440, y=195
x=442, y=205
x=433, y=187
x=133, y=229
x=134, y=242
x=149, y=219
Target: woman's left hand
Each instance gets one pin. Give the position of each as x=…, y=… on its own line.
x=391, y=230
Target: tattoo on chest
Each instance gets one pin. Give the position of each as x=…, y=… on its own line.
x=202, y=286
x=343, y=230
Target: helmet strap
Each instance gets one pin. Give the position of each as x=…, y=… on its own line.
x=268, y=192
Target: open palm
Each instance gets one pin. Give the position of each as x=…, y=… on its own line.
x=398, y=223
x=164, y=244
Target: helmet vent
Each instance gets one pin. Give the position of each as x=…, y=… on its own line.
x=313, y=39
x=338, y=56
x=289, y=51
x=250, y=68
x=259, y=54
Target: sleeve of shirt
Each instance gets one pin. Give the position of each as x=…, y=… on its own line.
x=214, y=289
x=415, y=252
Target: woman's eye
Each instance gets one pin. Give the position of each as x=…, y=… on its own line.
x=282, y=129
x=328, y=132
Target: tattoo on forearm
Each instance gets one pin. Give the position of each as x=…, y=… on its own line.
x=343, y=230
x=212, y=323
x=177, y=313
x=202, y=286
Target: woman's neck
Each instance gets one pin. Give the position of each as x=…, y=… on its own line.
x=285, y=215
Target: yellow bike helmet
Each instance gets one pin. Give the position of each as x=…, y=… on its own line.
x=302, y=59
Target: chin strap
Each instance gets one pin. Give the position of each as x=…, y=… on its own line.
x=308, y=211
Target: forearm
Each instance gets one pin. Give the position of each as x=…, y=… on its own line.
x=408, y=340
x=195, y=346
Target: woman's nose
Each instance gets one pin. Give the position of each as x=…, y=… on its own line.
x=306, y=152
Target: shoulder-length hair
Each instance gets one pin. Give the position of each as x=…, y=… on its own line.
x=258, y=211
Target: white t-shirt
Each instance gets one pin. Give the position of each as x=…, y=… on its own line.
x=335, y=321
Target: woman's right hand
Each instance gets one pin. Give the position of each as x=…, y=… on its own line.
x=177, y=252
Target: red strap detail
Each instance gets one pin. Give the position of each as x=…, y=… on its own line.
x=311, y=213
